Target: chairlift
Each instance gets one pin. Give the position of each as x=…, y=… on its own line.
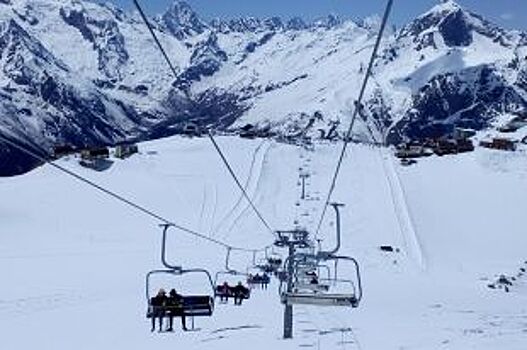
x=351, y=297
x=271, y=263
x=308, y=276
x=315, y=295
x=192, y=305
x=298, y=238
x=226, y=291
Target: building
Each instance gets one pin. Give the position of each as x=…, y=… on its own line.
x=125, y=151
x=191, y=130
x=60, y=151
x=500, y=143
x=95, y=153
x=412, y=151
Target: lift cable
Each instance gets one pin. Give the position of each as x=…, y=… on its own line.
x=211, y=137
x=347, y=138
x=123, y=199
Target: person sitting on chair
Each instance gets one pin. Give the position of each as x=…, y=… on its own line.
x=257, y=279
x=223, y=291
x=265, y=280
x=158, y=304
x=174, y=309
x=240, y=292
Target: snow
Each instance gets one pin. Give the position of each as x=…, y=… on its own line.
x=73, y=261
x=443, y=6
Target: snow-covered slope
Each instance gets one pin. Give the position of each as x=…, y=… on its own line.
x=82, y=73
x=73, y=261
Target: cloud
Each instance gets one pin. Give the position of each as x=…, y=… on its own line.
x=507, y=16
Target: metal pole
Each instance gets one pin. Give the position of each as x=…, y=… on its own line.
x=303, y=177
x=227, y=257
x=288, y=310
x=324, y=255
x=336, y=207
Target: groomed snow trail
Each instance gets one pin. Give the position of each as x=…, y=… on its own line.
x=401, y=209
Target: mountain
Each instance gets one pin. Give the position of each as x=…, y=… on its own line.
x=83, y=73
x=181, y=21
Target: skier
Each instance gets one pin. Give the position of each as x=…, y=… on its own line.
x=158, y=304
x=175, y=308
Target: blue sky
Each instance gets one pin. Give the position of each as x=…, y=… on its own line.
x=508, y=13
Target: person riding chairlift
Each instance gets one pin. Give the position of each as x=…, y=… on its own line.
x=239, y=293
x=158, y=304
x=175, y=309
x=224, y=290
x=265, y=280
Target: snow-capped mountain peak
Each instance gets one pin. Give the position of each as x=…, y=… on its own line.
x=181, y=20
x=455, y=25
x=445, y=6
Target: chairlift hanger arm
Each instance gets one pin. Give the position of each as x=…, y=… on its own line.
x=227, y=258
x=338, y=234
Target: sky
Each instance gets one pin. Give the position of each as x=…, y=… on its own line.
x=508, y=13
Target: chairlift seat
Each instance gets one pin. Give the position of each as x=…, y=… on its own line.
x=306, y=298
x=258, y=279
x=192, y=306
x=311, y=287
x=230, y=293
x=268, y=268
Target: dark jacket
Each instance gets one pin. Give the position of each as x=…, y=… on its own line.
x=158, y=303
x=175, y=303
x=240, y=290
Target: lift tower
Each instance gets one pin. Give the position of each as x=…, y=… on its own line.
x=292, y=240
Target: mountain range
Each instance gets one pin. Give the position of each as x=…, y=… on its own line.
x=86, y=74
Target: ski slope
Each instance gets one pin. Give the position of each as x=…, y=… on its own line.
x=73, y=261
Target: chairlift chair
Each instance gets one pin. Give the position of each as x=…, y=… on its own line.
x=229, y=293
x=193, y=305
x=271, y=263
x=299, y=238
x=303, y=280
x=351, y=298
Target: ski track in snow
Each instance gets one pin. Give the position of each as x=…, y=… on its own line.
x=237, y=210
x=254, y=183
